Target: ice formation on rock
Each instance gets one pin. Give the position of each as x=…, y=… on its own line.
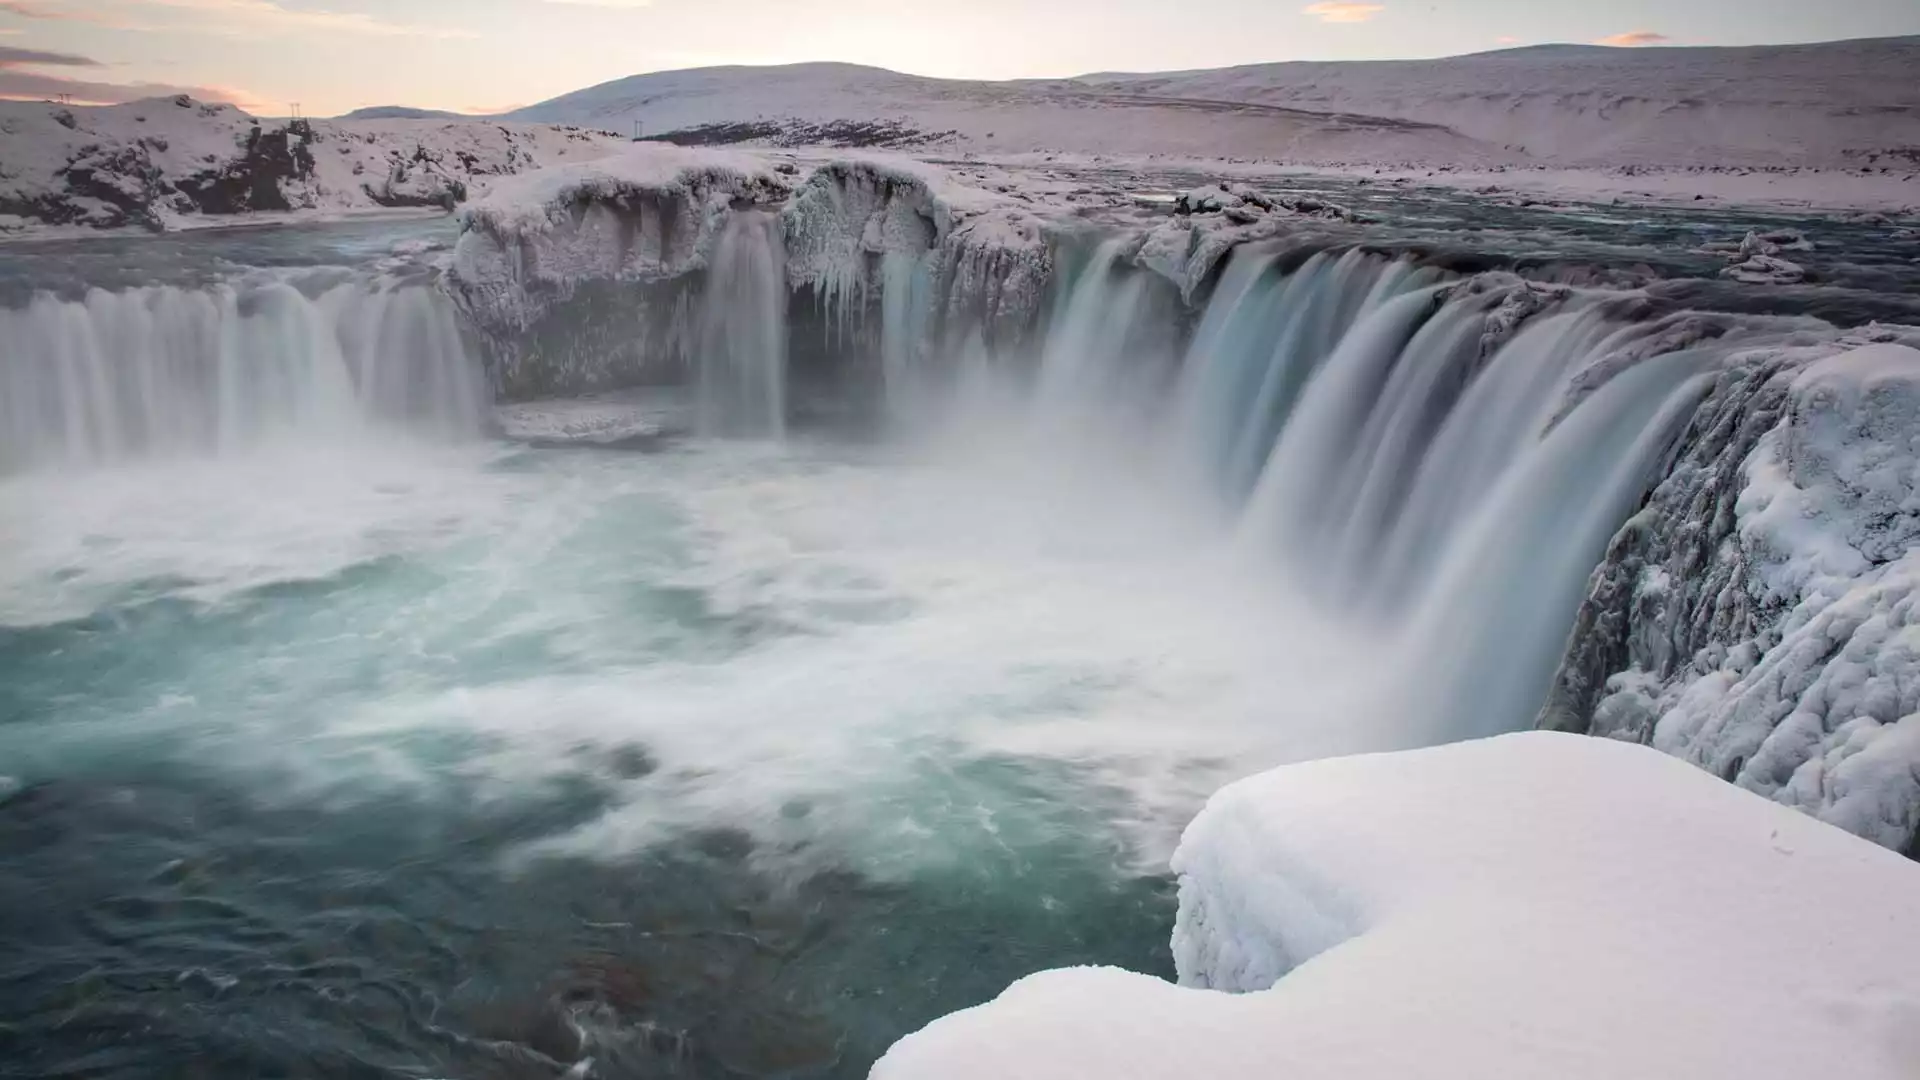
x=1536, y=905
x=1758, y=616
x=589, y=276
x=593, y=239
x=941, y=258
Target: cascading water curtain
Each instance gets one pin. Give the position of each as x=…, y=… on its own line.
x=741, y=352
x=161, y=370
x=1378, y=438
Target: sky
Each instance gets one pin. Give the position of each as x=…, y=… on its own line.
x=485, y=56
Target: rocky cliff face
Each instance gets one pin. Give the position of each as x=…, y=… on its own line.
x=1759, y=616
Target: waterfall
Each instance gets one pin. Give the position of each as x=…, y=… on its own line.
x=1383, y=440
x=906, y=288
x=741, y=351
x=164, y=371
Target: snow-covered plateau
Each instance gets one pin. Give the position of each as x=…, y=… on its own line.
x=1535, y=905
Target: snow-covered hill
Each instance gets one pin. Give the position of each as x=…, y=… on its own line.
x=163, y=162
x=848, y=105
x=403, y=112
x=1834, y=105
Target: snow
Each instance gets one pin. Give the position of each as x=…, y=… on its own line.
x=1536, y=905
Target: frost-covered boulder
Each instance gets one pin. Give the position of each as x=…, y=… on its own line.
x=1537, y=905
x=1759, y=616
x=1765, y=270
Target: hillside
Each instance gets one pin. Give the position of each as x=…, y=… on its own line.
x=1834, y=105
x=162, y=162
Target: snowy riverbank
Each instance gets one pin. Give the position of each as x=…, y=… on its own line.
x=1493, y=909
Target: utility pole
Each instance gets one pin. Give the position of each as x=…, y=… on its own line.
x=296, y=111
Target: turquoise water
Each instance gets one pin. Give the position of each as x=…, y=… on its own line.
x=486, y=760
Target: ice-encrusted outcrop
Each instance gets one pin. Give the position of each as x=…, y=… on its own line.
x=968, y=260
x=587, y=277
x=558, y=268
x=1535, y=905
x=1760, y=616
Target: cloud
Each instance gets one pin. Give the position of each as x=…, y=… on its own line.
x=1343, y=11
x=233, y=18
x=33, y=86
x=1507, y=39
x=11, y=57
x=1632, y=38
x=27, y=10
x=19, y=82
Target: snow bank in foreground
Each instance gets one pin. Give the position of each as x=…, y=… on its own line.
x=1760, y=617
x=1537, y=905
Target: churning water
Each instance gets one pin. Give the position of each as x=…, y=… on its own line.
x=340, y=737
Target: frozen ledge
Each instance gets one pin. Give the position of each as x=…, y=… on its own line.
x=1537, y=905
x=647, y=214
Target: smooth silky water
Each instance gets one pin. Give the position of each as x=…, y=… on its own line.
x=341, y=737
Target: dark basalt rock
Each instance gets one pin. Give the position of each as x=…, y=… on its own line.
x=253, y=181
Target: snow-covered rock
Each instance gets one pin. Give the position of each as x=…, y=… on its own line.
x=1537, y=905
x=163, y=162
x=1210, y=221
x=1760, y=617
x=1765, y=270
x=586, y=277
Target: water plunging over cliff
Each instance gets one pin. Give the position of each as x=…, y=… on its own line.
x=166, y=370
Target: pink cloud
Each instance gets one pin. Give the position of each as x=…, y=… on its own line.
x=1343, y=11
x=1634, y=38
